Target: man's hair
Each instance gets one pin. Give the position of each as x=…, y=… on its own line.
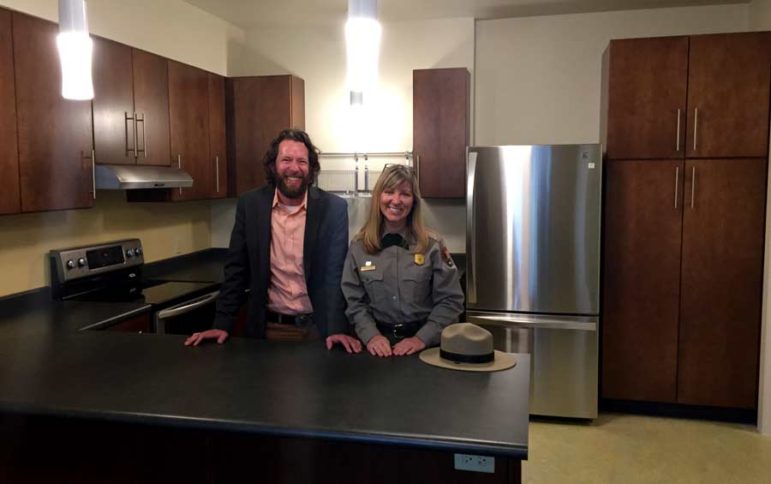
x=269, y=161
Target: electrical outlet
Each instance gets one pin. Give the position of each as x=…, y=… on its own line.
x=475, y=463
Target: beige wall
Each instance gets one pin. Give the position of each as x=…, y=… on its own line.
x=538, y=78
x=760, y=15
x=760, y=19
x=170, y=28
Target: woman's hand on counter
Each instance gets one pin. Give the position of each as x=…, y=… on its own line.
x=351, y=344
x=408, y=346
x=379, y=346
x=218, y=334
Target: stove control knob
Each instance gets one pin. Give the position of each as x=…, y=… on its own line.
x=138, y=251
x=70, y=264
x=129, y=252
x=81, y=262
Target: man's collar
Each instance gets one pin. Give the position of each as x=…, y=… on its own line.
x=303, y=205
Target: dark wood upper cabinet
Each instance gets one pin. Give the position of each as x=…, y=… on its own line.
x=647, y=81
x=151, y=103
x=54, y=134
x=217, y=142
x=258, y=108
x=722, y=267
x=729, y=77
x=131, y=105
x=440, y=130
x=114, y=126
x=703, y=96
x=189, y=128
x=641, y=279
x=9, y=157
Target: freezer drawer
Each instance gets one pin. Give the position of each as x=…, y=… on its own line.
x=563, y=355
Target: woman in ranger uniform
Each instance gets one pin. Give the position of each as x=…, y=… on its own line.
x=399, y=281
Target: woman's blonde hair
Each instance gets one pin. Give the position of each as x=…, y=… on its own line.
x=371, y=232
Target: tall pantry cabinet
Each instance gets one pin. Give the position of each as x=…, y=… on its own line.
x=685, y=124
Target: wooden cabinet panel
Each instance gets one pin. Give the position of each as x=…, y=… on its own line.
x=722, y=267
x=258, y=108
x=151, y=103
x=189, y=128
x=729, y=76
x=114, y=140
x=647, y=82
x=131, y=105
x=440, y=107
x=9, y=157
x=54, y=134
x=641, y=279
x=217, y=146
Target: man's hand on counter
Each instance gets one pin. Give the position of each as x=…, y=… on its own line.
x=351, y=344
x=197, y=338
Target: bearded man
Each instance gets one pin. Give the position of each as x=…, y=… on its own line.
x=287, y=247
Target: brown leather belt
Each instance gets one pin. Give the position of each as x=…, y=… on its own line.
x=290, y=327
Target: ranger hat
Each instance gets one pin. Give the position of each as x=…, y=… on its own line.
x=468, y=347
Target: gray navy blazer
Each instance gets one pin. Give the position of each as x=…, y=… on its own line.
x=248, y=261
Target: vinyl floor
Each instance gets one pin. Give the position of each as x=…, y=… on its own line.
x=632, y=449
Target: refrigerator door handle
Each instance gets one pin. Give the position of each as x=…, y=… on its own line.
x=471, y=287
x=535, y=323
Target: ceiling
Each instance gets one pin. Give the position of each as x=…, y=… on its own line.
x=250, y=13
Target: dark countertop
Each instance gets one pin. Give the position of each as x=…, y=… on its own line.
x=48, y=367
x=265, y=387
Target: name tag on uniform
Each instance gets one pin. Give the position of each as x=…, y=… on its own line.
x=419, y=259
x=368, y=266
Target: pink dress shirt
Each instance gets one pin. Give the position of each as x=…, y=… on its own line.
x=287, y=292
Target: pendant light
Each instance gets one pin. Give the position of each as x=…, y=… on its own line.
x=362, y=40
x=75, y=49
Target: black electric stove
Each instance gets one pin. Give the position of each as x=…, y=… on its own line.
x=112, y=272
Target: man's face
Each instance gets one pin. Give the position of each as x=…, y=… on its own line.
x=292, y=169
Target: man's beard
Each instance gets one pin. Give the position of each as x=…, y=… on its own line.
x=292, y=192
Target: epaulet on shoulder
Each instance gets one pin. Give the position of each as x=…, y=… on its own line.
x=434, y=235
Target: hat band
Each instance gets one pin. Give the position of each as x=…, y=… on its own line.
x=461, y=358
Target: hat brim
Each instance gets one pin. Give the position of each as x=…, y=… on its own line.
x=502, y=361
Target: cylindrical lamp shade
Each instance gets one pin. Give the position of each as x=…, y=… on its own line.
x=75, y=51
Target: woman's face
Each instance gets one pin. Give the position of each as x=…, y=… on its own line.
x=396, y=204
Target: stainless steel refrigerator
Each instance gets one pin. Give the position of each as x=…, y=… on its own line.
x=533, y=265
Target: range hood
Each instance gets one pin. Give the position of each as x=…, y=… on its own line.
x=129, y=177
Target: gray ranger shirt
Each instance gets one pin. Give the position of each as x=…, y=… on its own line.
x=396, y=285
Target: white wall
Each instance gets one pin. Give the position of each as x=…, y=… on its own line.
x=538, y=78
x=760, y=19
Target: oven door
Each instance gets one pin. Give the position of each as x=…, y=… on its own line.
x=187, y=317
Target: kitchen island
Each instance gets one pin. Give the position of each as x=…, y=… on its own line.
x=94, y=406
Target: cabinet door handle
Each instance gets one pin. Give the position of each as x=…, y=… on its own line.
x=93, y=174
x=143, y=150
x=695, y=127
x=179, y=165
x=217, y=164
x=693, y=184
x=677, y=138
x=128, y=118
x=677, y=182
